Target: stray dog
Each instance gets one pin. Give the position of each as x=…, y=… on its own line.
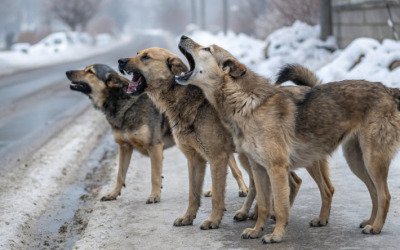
x=197, y=130
x=280, y=132
x=136, y=123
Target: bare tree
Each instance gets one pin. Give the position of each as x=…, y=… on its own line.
x=75, y=13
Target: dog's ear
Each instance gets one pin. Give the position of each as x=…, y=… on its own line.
x=176, y=65
x=233, y=67
x=113, y=80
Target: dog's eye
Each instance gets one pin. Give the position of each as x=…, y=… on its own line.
x=90, y=71
x=145, y=57
x=207, y=49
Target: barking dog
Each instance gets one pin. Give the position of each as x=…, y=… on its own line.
x=279, y=132
x=197, y=130
x=136, y=123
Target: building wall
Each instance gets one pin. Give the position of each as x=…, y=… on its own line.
x=363, y=18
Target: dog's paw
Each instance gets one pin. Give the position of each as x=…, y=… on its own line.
x=111, y=196
x=208, y=192
x=208, y=224
x=253, y=215
x=250, y=233
x=365, y=223
x=108, y=198
x=186, y=220
x=153, y=199
x=240, y=216
x=318, y=222
x=243, y=192
x=271, y=238
x=371, y=230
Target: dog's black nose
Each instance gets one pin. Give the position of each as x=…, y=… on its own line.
x=122, y=61
x=68, y=73
x=184, y=37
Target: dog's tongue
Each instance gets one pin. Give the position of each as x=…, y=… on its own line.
x=136, y=80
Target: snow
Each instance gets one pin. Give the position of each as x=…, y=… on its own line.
x=58, y=48
x=375, y=58
x=298, y=43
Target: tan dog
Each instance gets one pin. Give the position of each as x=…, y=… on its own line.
x=136, y=123
x=197, y=131
x=195, y=127
x=279, y=131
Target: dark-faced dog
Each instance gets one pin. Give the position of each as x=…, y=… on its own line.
x=136, y=123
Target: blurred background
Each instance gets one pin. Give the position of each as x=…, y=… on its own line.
x=57, y=154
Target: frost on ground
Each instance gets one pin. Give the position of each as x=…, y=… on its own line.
x=28, y=189
x=40, y=55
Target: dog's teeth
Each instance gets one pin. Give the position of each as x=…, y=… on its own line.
x=183, y=74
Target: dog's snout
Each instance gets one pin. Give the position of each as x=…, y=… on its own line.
x=68, y=73
x=122, y=62
x=184, y=37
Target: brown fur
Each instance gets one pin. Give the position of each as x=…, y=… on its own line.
x=279, y=132
x=196, y=129
x=136, y=124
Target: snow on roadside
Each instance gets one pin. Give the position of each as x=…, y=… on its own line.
x=14, y=61
x=28, y=188
x=298, y=43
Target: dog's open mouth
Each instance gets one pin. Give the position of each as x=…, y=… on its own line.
x=186, y=75
x=80, y=86
x=137, y=79
x=138, y=83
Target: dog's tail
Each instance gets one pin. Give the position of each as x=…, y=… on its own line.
x=297, y=74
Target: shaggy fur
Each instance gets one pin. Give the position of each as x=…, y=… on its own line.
x=135, y=122
x=279, y=133
x=195, y=126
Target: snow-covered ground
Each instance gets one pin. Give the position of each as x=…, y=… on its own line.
x=56, y=49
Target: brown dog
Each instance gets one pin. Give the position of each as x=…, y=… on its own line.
x=197, y=130
x=136, y=123
x=279, y=131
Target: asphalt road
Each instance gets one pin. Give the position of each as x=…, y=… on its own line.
x=35, y=105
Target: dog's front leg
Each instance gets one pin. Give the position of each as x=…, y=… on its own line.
x=279, y=176
x=219, y=168
x=263, y=187
x=197, y=170
x=156, y=157
x=125, y=154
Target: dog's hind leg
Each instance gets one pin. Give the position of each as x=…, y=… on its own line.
x=219, y=168
x=197, y=170
x=156, y=156
x=320, y=173
x=237, y=174
x=354, y=157
x=243, y=213
x=125, y=154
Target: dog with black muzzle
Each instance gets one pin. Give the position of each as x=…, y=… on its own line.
x=135, y=122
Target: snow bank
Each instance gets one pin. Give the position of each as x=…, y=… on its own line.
x=365, y=58
x=298, y=43
x=55, y=51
